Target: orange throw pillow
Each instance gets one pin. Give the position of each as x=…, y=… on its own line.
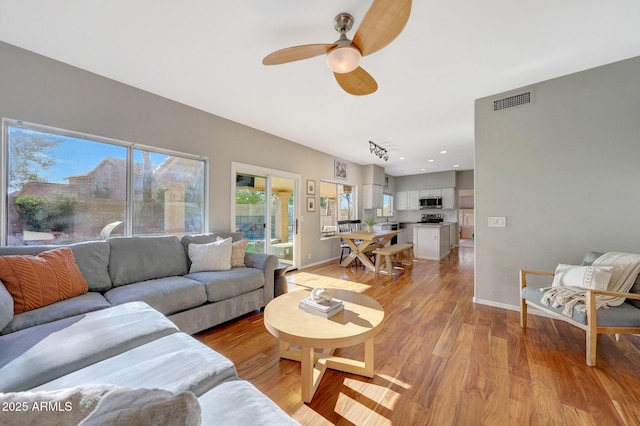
x=36, y=281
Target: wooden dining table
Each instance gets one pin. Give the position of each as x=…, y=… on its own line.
x=363, y=242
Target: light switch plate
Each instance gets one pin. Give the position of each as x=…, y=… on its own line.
x=497, y=222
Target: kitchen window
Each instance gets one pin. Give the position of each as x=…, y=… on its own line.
x=62, y=187
x=337, y=202
x=387, y=206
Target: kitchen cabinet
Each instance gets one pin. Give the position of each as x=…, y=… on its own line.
x=413, y=200
x=372, y=197
x=431, y=242
x=406, y=234
x=407, y=200
x=430, y=193
x=449, y=199
x=454, y=237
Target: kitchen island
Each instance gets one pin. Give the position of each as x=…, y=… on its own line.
x=431, y=240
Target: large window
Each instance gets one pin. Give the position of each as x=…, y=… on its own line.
x=64, y=187
x=337, y=202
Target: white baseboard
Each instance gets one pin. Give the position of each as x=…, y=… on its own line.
x=309, y=265
x=496, y=304
x=531, y=310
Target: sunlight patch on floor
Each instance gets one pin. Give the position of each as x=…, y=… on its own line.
x=357, y=413
x=308, y=280
x=379, y=394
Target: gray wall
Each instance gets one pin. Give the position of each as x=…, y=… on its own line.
x=563, y=170
x=43, y=91
x=464, y=179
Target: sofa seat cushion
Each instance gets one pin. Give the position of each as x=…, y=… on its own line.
x=175, y=363
x=625, y=315
x=220, y=406
x=135, y=259
x=82, y=304
x=39, y=354
x=168, y=295
x=221, y=285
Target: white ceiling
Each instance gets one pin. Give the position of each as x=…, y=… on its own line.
x=207, y=54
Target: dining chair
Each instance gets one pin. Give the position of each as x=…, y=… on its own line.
x=344, y=226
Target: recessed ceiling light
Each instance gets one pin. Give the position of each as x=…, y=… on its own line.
x=423, y=170
x=402, y=158
x=431, y=161
x=456, y=165
x=443, y=152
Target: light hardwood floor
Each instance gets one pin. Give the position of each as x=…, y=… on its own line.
x=442, y=360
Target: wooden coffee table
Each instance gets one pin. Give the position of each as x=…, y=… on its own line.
x=359, y=322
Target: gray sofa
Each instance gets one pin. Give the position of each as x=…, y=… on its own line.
x=130, y=346
x=155, y=270
x=131, y=330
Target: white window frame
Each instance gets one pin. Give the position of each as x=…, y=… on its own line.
x=130, y=146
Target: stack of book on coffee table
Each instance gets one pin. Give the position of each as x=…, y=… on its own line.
x=323, y=309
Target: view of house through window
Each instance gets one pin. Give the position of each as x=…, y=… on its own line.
x=337, y=202
x=64, y=187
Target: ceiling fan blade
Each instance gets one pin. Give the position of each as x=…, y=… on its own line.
x=357, y=82
x=383, y=22
x=296, y=53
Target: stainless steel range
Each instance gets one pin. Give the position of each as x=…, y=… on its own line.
x=432, y=218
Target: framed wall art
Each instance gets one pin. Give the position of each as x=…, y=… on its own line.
x=311, y=187
x=311, y=204
x=340, y=169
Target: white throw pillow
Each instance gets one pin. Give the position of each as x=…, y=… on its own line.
x=589, y=277
x=215, y=256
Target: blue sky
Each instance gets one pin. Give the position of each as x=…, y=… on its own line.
x=74, y=156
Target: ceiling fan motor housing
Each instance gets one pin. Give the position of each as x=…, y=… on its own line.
x=343, y=22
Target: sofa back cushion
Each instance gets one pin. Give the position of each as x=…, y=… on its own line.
x=92, y=258
x=6, y=307
x=134, y=259
x=36, y=281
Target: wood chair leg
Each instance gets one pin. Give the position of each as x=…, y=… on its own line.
x=592, y=330
x=523, y=302
x=523, y=313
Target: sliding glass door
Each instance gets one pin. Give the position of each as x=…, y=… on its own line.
x=265, y=211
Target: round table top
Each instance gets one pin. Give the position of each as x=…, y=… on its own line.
x=360, y=320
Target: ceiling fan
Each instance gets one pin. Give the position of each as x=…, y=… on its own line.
x=383, y=22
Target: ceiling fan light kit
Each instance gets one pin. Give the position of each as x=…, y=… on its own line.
x=382, y=23
x=343, y=59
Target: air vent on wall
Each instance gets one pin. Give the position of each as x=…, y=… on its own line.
x=512, y=101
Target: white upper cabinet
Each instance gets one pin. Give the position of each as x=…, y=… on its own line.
x=430, y=193
x=449, y=199
x=372, y=197
x=407, y=200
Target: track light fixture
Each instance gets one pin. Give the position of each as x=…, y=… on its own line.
x=376, y=149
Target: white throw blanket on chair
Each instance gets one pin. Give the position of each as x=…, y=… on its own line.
x=622, y=280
